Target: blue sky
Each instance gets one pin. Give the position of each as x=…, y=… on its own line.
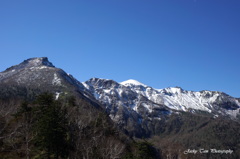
x=194, y=44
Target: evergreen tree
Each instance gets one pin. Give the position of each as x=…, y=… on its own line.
x=51, y=128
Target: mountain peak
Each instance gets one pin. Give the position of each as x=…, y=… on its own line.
x=32, y=62
x=132, y=82
x=37, y=61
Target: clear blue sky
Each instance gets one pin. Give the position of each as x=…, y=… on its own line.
x=194, y=44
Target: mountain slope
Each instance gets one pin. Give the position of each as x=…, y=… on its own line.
x=37, y=72
x=40, y=74
x=176, y=98
x=130, y=110
x=136, y=107
x=132, y=93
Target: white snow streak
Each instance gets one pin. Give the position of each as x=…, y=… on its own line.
x=56, y=80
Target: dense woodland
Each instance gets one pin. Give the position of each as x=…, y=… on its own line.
x=69, y=127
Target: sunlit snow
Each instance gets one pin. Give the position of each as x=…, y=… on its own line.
x=56, y=80
x=132, y=81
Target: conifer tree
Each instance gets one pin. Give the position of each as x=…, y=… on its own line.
x=51, y=128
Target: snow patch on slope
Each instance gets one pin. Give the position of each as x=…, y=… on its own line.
x=57, y=95
x=56, y=80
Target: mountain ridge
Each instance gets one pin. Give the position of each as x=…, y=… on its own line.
x=175, y=97
x=39, y=71
x=173, y=114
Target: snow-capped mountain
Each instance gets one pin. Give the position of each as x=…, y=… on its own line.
x=111, y=93
x=129, y=109
x=135, y=107
x=39, y=73
x=135, y=95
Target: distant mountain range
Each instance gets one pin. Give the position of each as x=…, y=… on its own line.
x=128, y=100
x=139, y=110
x=129, y=94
